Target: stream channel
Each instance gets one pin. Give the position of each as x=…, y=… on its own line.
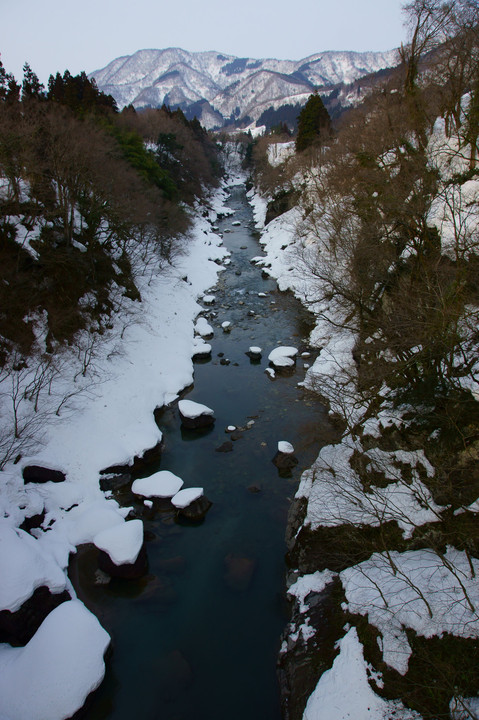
x=195, y=640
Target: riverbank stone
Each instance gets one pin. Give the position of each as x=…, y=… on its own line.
x=150, y=456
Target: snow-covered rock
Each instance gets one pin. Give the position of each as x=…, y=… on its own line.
x=185, y=497
x=121, y=542
x=51, y=677
x=163, y=484
x=283, y=357
x=203, y=328
x=285, y=447
x=191, y=409
x=195, y=416
x=201, y=349
x=24, y=566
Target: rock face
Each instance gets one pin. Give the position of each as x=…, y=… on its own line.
x=17, y=628
x=115, y=482
x=38, y=474
x=302, y=662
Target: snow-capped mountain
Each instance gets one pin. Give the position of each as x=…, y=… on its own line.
x=222, y=88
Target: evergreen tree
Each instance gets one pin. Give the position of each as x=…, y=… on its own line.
x=32, y=88
x=9, y=88
x=314, y=123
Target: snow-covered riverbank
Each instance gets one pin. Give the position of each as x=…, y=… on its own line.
x=377, y=476
x=110, y=423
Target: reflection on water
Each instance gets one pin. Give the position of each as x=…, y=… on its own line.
x=197, y=638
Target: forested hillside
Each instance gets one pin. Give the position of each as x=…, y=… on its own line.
x=89, y=199
x=383, y=245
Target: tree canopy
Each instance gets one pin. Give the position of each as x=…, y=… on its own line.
x=314, y=123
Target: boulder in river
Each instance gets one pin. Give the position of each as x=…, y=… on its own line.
x=195, y=416
x=163, y=484
x=203, y=328
x=283, y=357
x=254, y=353
x=122, y=550
x=201, y=350
x=195, y=511
x=285, y=462
x=127, y=571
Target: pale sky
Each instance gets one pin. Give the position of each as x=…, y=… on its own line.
x=55, y=35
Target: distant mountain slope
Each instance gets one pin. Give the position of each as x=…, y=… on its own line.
x=222, y=88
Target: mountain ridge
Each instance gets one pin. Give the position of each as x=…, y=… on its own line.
x=228, y=88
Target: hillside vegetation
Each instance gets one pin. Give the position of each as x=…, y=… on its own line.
x=383, y=246
x=89, y=199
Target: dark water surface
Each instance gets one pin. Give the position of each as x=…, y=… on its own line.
x=198, y=638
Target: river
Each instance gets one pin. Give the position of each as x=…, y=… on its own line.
x=198, y=638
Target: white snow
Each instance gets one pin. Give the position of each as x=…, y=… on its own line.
x=122, y=542
x=191, y=409
x=426, y=591
x=279, y=152
x=336, y=496
x=163, y=484
x=305, y=584
x=51, y=677
x=255, y=350
x=185, y=497
x=24, y=566
x=83, y=522
x=285, y=447
x=343, y=692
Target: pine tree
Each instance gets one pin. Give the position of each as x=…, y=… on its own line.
x=314, y=123
x=32, y=88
